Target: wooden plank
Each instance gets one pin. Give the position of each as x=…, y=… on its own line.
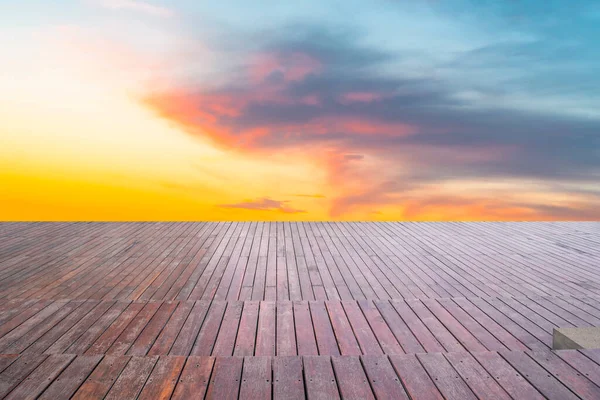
x=288, y=382
x=228, y=330
x=67, y=383
x=364, y=335
x=405, y=337
x=210, y=329
x=236, y=283
x=164, y=377
x=537, y=376
x=182, y=346
x=91, y=334
x=423, y=335
x=483, y=336
x=195, y=255
x=317, y=269
x=286, y=333
x=283, y=287
x=415, y=379
x=465, y=337
x=188, y=263
x=132, y=331
x=256, y=378
x=225, y=380
x=423, y=260
x=592, y=354
x=271, y=267
x=6, y=360
x=41, y=377
x=563, y=312
x=205, y=286
x=499, y=331
x=542, y=317
x=541, y=334
x=315, y=260
x=305, y=333
x=246, y=334
x=570, y=377
x=14, y=307
x=447, y=380
x=443, y=336
x=103, y=343
x=194, y=379
x=228, y=273
x=148, y=335
x=581, y=363
x=265, y=332
x=503, y=320
x=132, y=379
x=383, y=378
x=18, y=371
x=200, y=264
x=306, y=284
x=295, y=290
x=97, y=385
x=582, y=305
x=30, y=323
x=385, y=336
x=351, y=378
x=260, y=279
x=509, y=378
x=341, y=327
x=165, y=340
x=319, y=378
x=22, y=340
x=326, y=341
x=62, y=344
x=476, y=377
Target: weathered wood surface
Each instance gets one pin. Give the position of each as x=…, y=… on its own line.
x=296, y=310
x=298, y=261
x=427, y=376
x=280, y=328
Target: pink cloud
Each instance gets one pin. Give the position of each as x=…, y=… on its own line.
x=265, y=204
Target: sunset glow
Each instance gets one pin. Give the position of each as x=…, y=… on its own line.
x=441, y=110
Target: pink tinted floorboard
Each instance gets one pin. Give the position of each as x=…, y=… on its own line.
x=297, y=310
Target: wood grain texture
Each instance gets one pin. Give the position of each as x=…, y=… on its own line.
x=317, y=310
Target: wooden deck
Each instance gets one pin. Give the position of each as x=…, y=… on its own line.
x=297, y=310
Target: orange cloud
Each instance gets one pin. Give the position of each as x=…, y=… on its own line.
x=215, y=114
x=198, y=115
x=314, y=196
x=384, y=143
x=265, y=204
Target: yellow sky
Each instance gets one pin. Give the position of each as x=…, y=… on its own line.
x=76, y=144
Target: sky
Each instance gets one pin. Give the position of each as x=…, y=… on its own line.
x=314, y=110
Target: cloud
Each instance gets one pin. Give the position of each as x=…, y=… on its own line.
x=322, y=90
x=578, y=211
x=355, y=157
x=135, y=5
x=265, y=204
x=314, y=196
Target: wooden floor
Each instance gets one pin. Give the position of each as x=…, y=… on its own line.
x=297, y=310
